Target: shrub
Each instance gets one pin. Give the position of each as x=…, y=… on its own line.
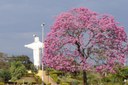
x=38, y=79
x=64, y=84
x=1, y=83
x=56, y=72
x=49, y=84
x=54, y=77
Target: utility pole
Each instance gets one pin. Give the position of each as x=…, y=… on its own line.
x=42, y=25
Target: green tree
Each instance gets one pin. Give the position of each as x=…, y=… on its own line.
x=17, y=70
x=25, y=60
x=4, y=75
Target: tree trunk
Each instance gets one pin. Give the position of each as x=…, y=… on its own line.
x=85, y=78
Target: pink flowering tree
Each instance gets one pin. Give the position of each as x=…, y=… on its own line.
x=81, y=39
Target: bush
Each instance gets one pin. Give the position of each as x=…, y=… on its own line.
x=110, y=83
x=56, y=72
x=64, y=84
x=74, y=82
x=4, y=75
x=54, y=77
x=17, y=70
x=1, y=83
x=49, y=84
x=38, y=79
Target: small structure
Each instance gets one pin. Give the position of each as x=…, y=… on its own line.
x=36, y=46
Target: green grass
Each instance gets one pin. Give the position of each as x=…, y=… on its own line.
x=26, y=79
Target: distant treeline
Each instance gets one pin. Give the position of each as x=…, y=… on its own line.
x=5, y=60
x=14, y=67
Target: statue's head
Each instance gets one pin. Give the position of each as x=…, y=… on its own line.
x=36, y=39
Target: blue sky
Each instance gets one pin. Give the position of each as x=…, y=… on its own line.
x=20, y=19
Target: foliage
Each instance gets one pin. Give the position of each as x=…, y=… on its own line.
x=122, y=72
x=5, y=60
x=49, y=84
x=38, y=79
x=17, y=66
x=64, y=84
x=79, y=36
x=81, y=39
x=33, y=69
x=55, y=77
x=4, y=75
x=25, y=60
x=118, y=77
x=94, y=78
x=60, y=77
x=17, y=70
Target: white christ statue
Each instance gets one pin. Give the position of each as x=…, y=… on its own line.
x=36, y=46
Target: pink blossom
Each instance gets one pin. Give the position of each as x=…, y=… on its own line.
x=81, y=39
